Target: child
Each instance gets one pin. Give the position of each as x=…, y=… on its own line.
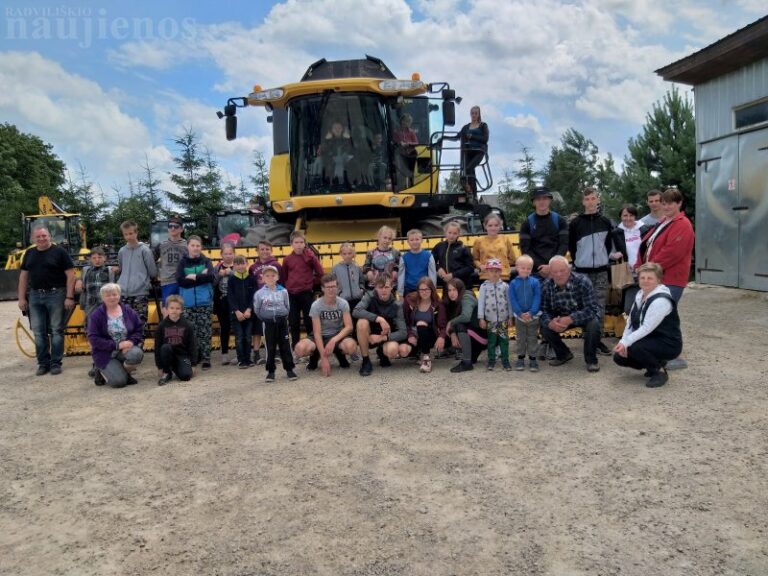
x=452, y=258
x=525, y=300
x=137, y=268
x=265, y=259
x=195, y=276
x=349, y=276
x=383, y=259
x=272, y=305
x=493, y=246
x=493, y=313
x=168, y=254
x=301, y=271
x=414, y=265
x=240, y=291
x=91, y=281
x=89, y=286
x=223, y=270
x=175, y=343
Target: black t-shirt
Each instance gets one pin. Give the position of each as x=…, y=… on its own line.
x=47, y=268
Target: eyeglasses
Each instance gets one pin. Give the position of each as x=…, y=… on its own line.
x=174, y=225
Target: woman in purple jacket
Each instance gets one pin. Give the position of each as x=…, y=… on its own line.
x=115, y=332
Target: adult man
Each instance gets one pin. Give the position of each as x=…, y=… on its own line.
x=48, y=273
x=653, y=199
x=568, y=300
x=590, y=243
x=331, y=329
x=380, y=323
x=544, y=233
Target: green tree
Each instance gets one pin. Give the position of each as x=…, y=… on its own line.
x=28, y=169
x=200, y=193
x=260, y=177
x=80, y=196
x=575, y=165
x=452, y=183
x=516, y=187
x=237, y=196
x=664, y=153
x=149, y=191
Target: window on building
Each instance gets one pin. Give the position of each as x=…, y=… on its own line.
x=751, y=115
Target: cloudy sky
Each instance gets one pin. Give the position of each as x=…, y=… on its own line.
x=110, y=84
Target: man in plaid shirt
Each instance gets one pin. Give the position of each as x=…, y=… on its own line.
x=568, y=300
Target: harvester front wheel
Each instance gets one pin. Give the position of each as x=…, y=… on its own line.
x=279, y=233
x=432, y=226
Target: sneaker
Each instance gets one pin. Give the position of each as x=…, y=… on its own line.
x=299, y=359
x=676, y=364
x=458, y=355
x=312, y=364
x=506, y=365
x=130, y=381
x=520, y=364
x=42, y=370
x=206, y=365
x=657, y=380
x=366, y=368
x=164, y=379
x=603, y=349
x=490, y=365
x=243, y=365
x=291, y=375
x=343, y=362
x=426, y=364
x=593, y=367
x=98, y=379
x=259, y=362
x=384, y=361
x=533, y=365
x=354, y=357
x=92, y=372
x=462, y=367
x=55, y=370
x=560, y=361
x=225, y=359
x=257, y=357
x=270, y=377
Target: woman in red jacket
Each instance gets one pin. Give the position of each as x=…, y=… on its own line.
x=670, y=244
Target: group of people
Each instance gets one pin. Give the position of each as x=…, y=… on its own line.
x=390, y=304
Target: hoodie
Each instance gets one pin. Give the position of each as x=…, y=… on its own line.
x=137, y=268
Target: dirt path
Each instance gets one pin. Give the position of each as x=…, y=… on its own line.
x=556, y=473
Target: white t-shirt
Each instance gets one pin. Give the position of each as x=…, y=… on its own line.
x=632, y=239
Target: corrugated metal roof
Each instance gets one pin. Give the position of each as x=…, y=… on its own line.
x=743, y=47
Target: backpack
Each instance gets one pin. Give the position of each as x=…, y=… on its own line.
x=553, y=215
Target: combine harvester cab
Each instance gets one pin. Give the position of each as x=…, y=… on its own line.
x=355, y=148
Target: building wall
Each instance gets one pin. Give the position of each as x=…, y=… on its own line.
x=715, y=100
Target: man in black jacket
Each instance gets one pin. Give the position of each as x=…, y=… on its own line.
x=544, y=233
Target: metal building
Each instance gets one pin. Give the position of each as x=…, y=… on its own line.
x=730, y=86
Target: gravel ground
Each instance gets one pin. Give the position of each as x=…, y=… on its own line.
x=488, y=473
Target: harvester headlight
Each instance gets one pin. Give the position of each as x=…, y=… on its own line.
x=288, y=206
x=399, y=85
x=393, y=201
x=265, y=95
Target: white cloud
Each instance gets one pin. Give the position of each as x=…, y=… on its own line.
x=527, y=121
x=76, y=115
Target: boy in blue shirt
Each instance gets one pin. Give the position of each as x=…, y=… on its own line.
x=414, y=265
x=525, y=301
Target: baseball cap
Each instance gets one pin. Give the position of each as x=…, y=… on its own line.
x=268, y=268
x=541, y=191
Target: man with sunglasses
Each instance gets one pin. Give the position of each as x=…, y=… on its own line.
x=168, y=255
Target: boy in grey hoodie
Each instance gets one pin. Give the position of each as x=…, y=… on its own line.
x=271, y=305
x=137, y=268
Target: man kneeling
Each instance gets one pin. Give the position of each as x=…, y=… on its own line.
x=331, y=329
x=380, y=323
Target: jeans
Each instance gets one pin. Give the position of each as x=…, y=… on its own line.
x=46, y=313
x=114, y=373
x=243, y=339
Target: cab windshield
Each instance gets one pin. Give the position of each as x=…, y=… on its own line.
x=354, y=142
x=64, y=233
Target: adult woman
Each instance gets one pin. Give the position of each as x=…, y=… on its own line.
x=474, y=147
x=670, y=244
x=463, y=326
x=627, y=236
x=426, y=321
x=115, y=332
x=652, y=336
